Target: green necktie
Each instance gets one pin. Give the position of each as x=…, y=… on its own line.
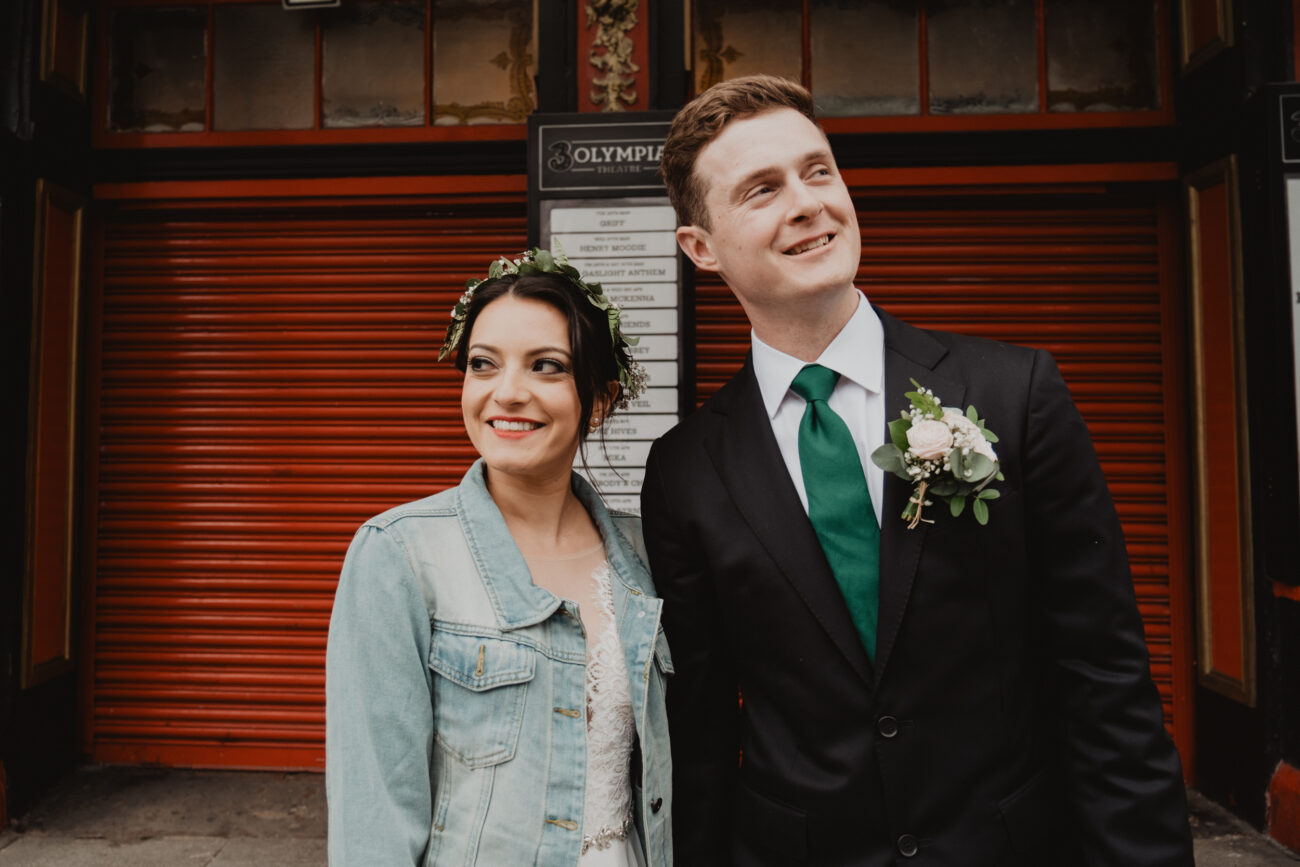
x=839, y=503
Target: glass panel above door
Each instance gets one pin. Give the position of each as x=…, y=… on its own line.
x=744, y=37
x=484, y=60
x=372, y=59
x=1101, y=55
x=263, y=68
x=983, y=56
x=864, y=57
x=158, y=62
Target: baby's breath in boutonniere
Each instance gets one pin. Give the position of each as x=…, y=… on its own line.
x=946, y=453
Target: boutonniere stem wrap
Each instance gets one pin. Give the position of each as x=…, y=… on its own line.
x=945, y=453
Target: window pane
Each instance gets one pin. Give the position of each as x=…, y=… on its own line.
x=1101, y=55
x=159, y=64
x=865, y=57
x=372, y=59
x=263, y=68
x=484, y=58
x=982, y=55
x=743, y=37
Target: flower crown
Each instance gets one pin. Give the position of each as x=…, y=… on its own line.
x=631, y=376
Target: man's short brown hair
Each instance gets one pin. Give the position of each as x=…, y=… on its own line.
x=703, y=118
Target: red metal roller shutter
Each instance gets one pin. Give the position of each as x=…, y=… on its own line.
x=1082, y=276
x=266, y=382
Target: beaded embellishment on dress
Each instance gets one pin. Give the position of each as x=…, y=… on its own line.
x=611, y=729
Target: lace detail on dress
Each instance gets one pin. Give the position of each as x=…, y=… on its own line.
x=611, y=729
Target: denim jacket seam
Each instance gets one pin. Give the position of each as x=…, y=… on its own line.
x=478, y=630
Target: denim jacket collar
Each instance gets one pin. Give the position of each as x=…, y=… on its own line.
x=519, y=602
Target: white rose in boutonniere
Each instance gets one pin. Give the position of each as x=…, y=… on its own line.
x=948, y=454
x=929, y=439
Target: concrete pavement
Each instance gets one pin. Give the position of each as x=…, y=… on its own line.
x=111, y=816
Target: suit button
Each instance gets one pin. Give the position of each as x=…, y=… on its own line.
x=887, y=726
x=907, y=846
x=656, y=804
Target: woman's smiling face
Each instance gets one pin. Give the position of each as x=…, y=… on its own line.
x=519, y=400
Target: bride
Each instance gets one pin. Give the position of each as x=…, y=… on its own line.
x=495, y=669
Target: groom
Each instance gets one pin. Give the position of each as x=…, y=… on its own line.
x=850, y=691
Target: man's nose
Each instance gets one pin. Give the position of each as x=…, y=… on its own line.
x=804, y=202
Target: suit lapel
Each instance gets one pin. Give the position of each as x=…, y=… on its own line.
x=909, y=354
x=744, y=451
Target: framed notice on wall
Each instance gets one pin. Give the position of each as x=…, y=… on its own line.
x=594, y=194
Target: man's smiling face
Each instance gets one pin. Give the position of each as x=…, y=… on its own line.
x=782, y=226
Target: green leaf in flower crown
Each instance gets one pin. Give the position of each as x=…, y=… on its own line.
x=544, y=260
x=898, y=432
x=889, y=458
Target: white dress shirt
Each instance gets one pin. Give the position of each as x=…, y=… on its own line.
x=857, y=354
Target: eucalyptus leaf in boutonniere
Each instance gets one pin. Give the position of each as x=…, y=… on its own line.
x=945, y=453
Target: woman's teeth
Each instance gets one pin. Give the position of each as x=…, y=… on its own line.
x=500, y=424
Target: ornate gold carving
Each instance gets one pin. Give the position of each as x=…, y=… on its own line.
x=611, y=52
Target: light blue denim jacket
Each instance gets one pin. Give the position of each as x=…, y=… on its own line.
x=455, y=722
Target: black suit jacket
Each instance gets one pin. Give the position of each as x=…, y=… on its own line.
x=1010, y=717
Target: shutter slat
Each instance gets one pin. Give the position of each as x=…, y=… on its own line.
x=266, y=384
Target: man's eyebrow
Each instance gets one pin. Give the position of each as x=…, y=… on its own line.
x=819, y=155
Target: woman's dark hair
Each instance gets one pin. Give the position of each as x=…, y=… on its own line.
x=595, y=361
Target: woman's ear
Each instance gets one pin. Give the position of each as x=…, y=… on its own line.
x=604, y=403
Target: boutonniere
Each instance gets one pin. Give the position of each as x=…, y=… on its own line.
x=946, y=453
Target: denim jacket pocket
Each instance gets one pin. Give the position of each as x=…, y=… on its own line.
x=479, y=686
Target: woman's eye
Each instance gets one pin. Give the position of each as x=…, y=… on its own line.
x=549, y=365
x=479, y=364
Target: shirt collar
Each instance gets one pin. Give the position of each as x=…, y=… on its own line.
x=857, y=353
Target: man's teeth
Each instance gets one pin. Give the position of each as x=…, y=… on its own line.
x=501, y=424
x=811, y=245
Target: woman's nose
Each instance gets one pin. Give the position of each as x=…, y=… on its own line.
x=511, y=387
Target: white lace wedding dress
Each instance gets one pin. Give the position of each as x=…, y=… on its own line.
x=609, y=837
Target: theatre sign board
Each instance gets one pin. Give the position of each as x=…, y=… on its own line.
x=595, y=195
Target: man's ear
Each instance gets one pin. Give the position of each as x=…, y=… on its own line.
x=696, y=244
